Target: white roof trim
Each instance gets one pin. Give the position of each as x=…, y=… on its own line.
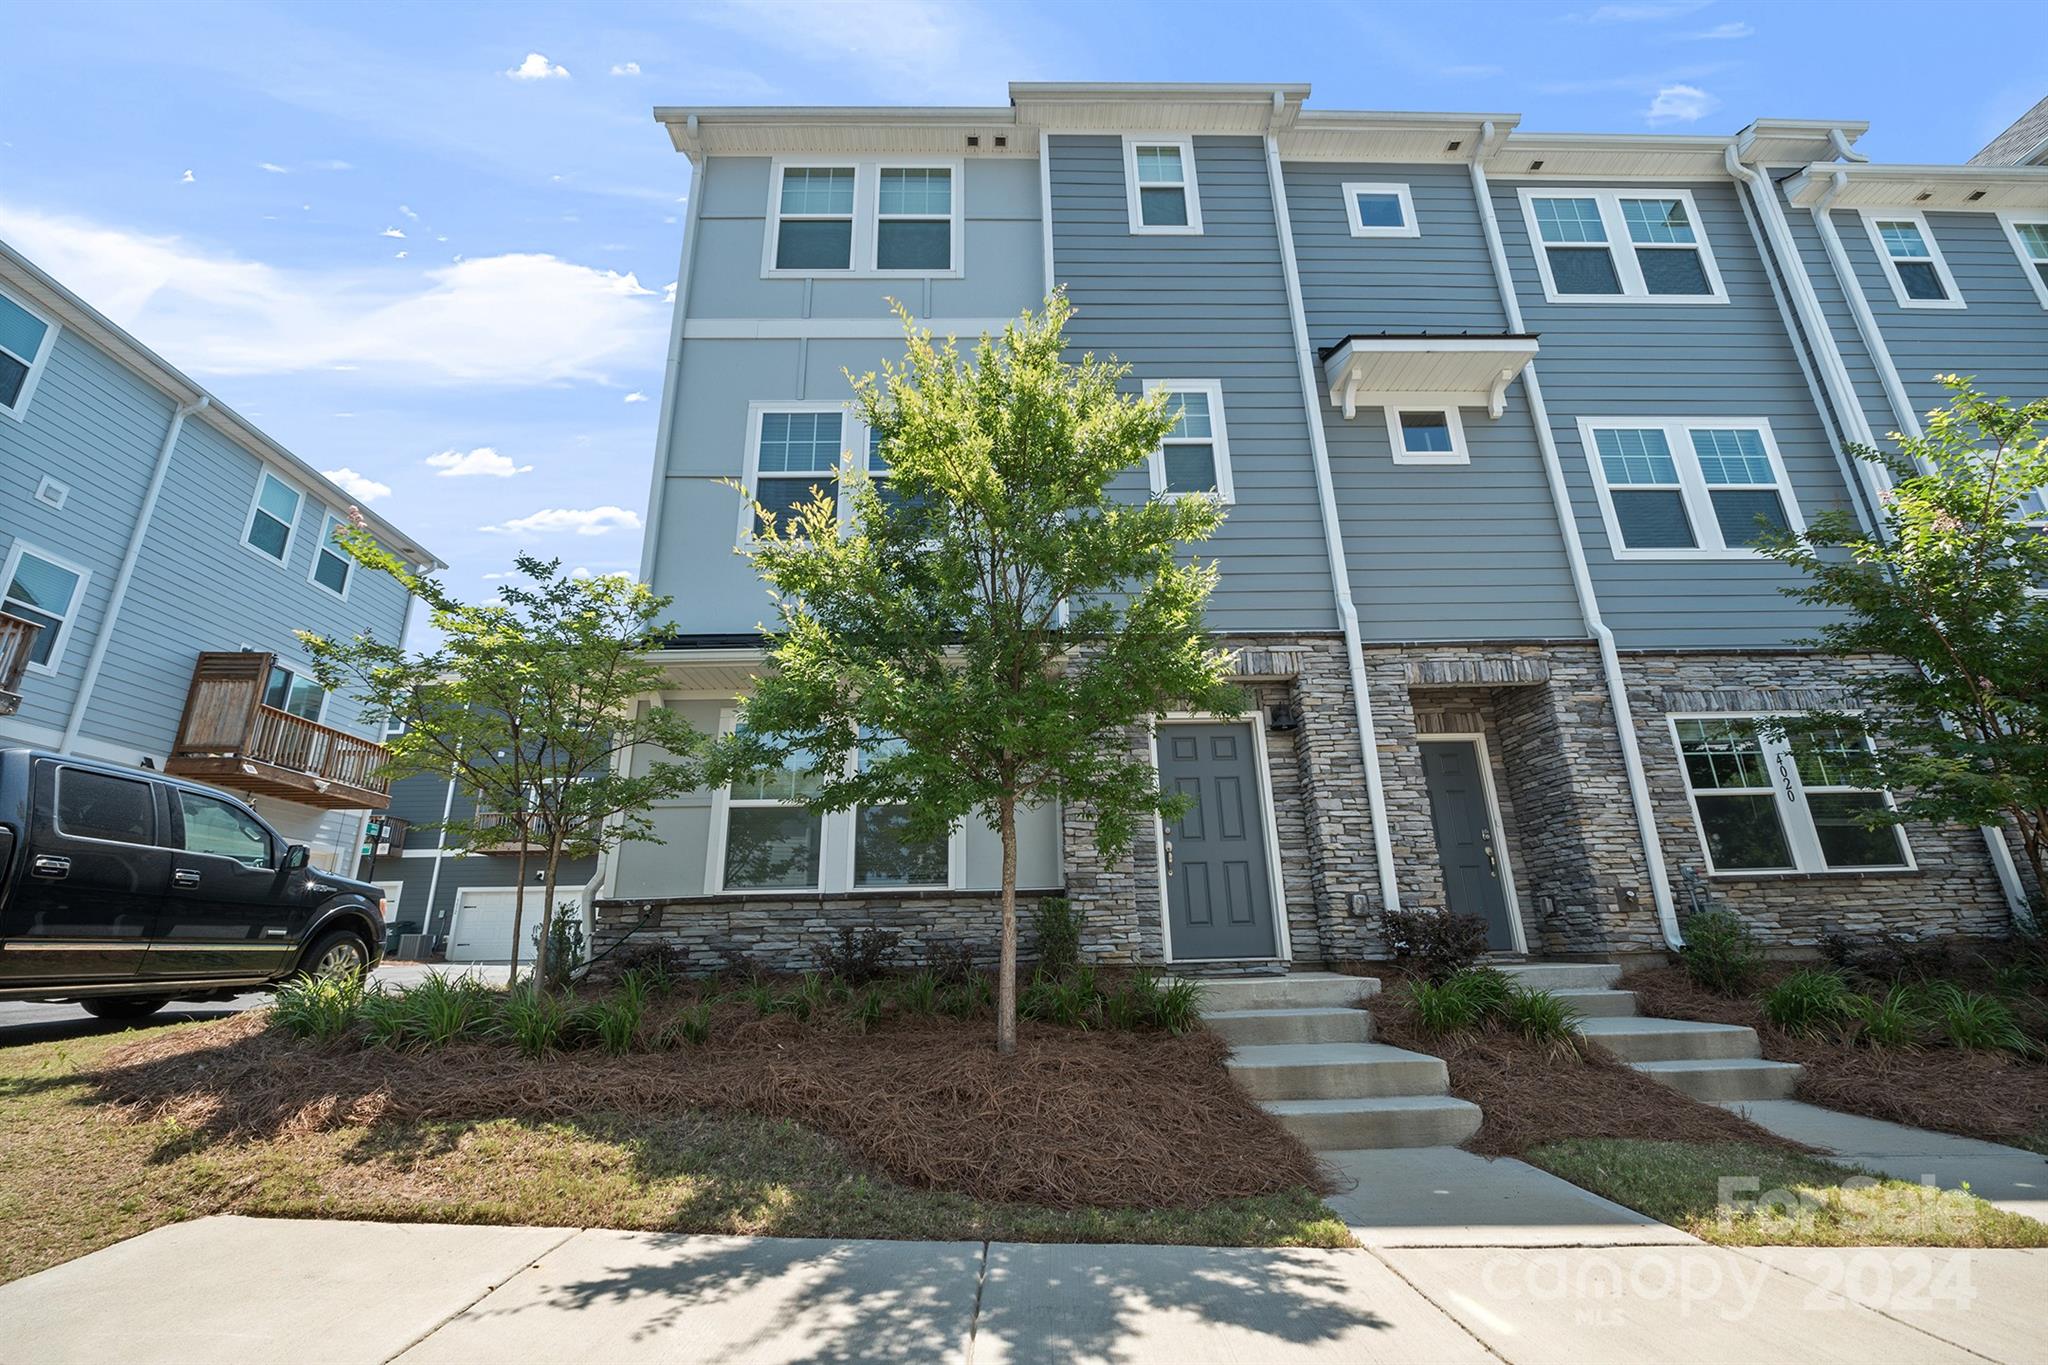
x=1462, y=371
x=1868, y=185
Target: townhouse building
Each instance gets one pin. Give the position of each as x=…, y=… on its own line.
x=1498, y=417
x=157, y=554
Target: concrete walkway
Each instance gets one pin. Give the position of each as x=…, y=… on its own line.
x=2011, y=1178
x=1446, y=1196
x=229, y=1290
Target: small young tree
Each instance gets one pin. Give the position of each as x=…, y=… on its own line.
x=532, y=702
x=993, y=622
x=1952, y=585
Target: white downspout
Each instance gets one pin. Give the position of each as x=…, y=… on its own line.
x=1859, y=309
x=1333, y=539
x=671, y=392
x=440, y=855
x=126, y=573
x=1575, y=555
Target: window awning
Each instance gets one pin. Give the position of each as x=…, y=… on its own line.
x=1463, y=370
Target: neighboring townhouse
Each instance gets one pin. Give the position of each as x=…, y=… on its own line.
x=460, y=903
x=1498, y=417
x=157, y=554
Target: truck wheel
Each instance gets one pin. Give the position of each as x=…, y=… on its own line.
x=336, y=954
x=122, y=1007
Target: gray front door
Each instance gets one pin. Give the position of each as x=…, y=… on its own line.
x=1219, y=886
x=1464, y=836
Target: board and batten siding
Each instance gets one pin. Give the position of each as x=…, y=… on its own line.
x=1666, y=360
x=1469, y=551
x=1206, y=306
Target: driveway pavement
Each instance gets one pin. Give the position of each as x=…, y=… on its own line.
x=232, y=1290
x=23, y=1021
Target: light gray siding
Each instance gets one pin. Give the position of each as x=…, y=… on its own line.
x=1731, y=359
x=1207, y=306
x=1467, y=551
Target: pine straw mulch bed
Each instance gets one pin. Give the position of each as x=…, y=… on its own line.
x=1532, y=1095
x=1072, y=1120
x=1987, y=1095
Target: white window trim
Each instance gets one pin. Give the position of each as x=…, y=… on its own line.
x=853, y=437
x=51, y=493
x=867, y=198
x=1693, y=488
x=1409, y=226
x=1219, y=440
x=328, y=521
x=1186, y=143
x=291, y=535
x=1800, y=833
x=956, y=858
x=70, y=617
x=1871, y=218
x=37, y=362
x=1620, y=246
x=1395, y=404
x=2011, y=221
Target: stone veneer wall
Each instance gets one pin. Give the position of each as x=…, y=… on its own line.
x=1955, y=888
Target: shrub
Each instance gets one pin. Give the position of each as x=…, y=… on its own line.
x=1486, y=988
x=1893, y=1019
x=866, y=1011
x=1441, y=1008
x=1888, y=957
x=809, y=998
x=1976, y=1021
x=1436, y=944
x=954, y=962
x=1070, y=1002
x=565, y=945
x=322, y=1008
x=919, y=992
x=444, y=1009
x=689, y=1025
x=1809, y=1002
x=533, y=1020
x=1178, y=1008
x=612, y=1024
x=665, y=966
x=1541, y=1018
x=737, y=970
x=762, y=997
x=965, y=999
x=385, y=1019
x=1058, y=928
x=861, y=955
x=1720, y=953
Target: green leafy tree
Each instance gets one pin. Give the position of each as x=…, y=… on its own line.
x=1952, y=585
x=536, y=704
x=992, y=623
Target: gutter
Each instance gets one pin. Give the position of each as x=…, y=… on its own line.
x=126, y=574
x=1333, y=538
x=1575, y=555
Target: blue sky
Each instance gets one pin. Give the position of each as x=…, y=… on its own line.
x=429, y=243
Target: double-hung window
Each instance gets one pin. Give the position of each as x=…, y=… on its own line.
x=1194, y=457
x=1594, y=245
x=2028, y=234
x=814, y=218
x=883, y=854
x=914, y=219
x=295, y=693
x=1159, y=185
x=1912, y=260
x=25, y=341
x=37, y=586
x=772, y=843
x=1701, y=488
x=793, y=458
x=864, y=219
x=271, y=517
x=1380, y=211
x=1769, y=802
x=332, y=567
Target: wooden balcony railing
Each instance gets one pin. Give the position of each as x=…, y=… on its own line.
x=17, y=643
x=230, y=737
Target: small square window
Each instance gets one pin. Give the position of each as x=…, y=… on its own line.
x=1425, y=435
x=51, y=493
x=1380, y=210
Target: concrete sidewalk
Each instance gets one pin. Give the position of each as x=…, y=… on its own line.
x=230, y=1290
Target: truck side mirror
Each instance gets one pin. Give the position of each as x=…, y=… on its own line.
x=295, y=858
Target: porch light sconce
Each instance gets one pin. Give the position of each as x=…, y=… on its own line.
x=1282, y=718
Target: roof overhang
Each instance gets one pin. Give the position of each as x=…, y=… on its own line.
x=1157, y=106
x=1463, y=371
x=1320, y=135
x=770, y=130
x=75, y=313
x=1796, y=141
x=1870, y=186
x=1590, y=156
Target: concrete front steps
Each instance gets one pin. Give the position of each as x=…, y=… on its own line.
x=1303, y=1048
x=1710, y=1062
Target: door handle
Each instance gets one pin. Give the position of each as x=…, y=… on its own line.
x=1169, y=855
x=49, y=865
x=186, y=878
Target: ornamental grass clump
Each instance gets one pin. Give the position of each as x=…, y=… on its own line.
x=1809, y=1003
x=321, y=1008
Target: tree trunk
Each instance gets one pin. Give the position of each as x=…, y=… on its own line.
x=1006, y=976
x=544, y=957
x=518, y=906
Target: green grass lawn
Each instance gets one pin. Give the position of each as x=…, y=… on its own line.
x=1816, y=1203
x=74, y=1178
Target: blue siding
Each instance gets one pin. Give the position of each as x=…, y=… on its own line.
x=1435, y=552
x=1730, y=359
x=1210, y=306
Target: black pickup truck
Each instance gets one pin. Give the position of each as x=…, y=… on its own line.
x=122, y=889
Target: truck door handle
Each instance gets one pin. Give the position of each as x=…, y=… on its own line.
x=49, y=865
x=186, y=878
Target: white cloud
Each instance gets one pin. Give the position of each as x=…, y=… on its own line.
x=538, y=68
x=360, y=486
x=462, y=464
x=1734, y=29
x=626, y=69
x=330, y=165
x=407, y=211
x=588, y=521
x=1648, y=11
x=272, y=167
x=1681, y=104
x=512, y=319
x=668, y=291
x=185, y=179
x=636, y=397
x=399, y=256
x=392, y=232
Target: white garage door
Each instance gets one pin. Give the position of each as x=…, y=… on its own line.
x=482, y=931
